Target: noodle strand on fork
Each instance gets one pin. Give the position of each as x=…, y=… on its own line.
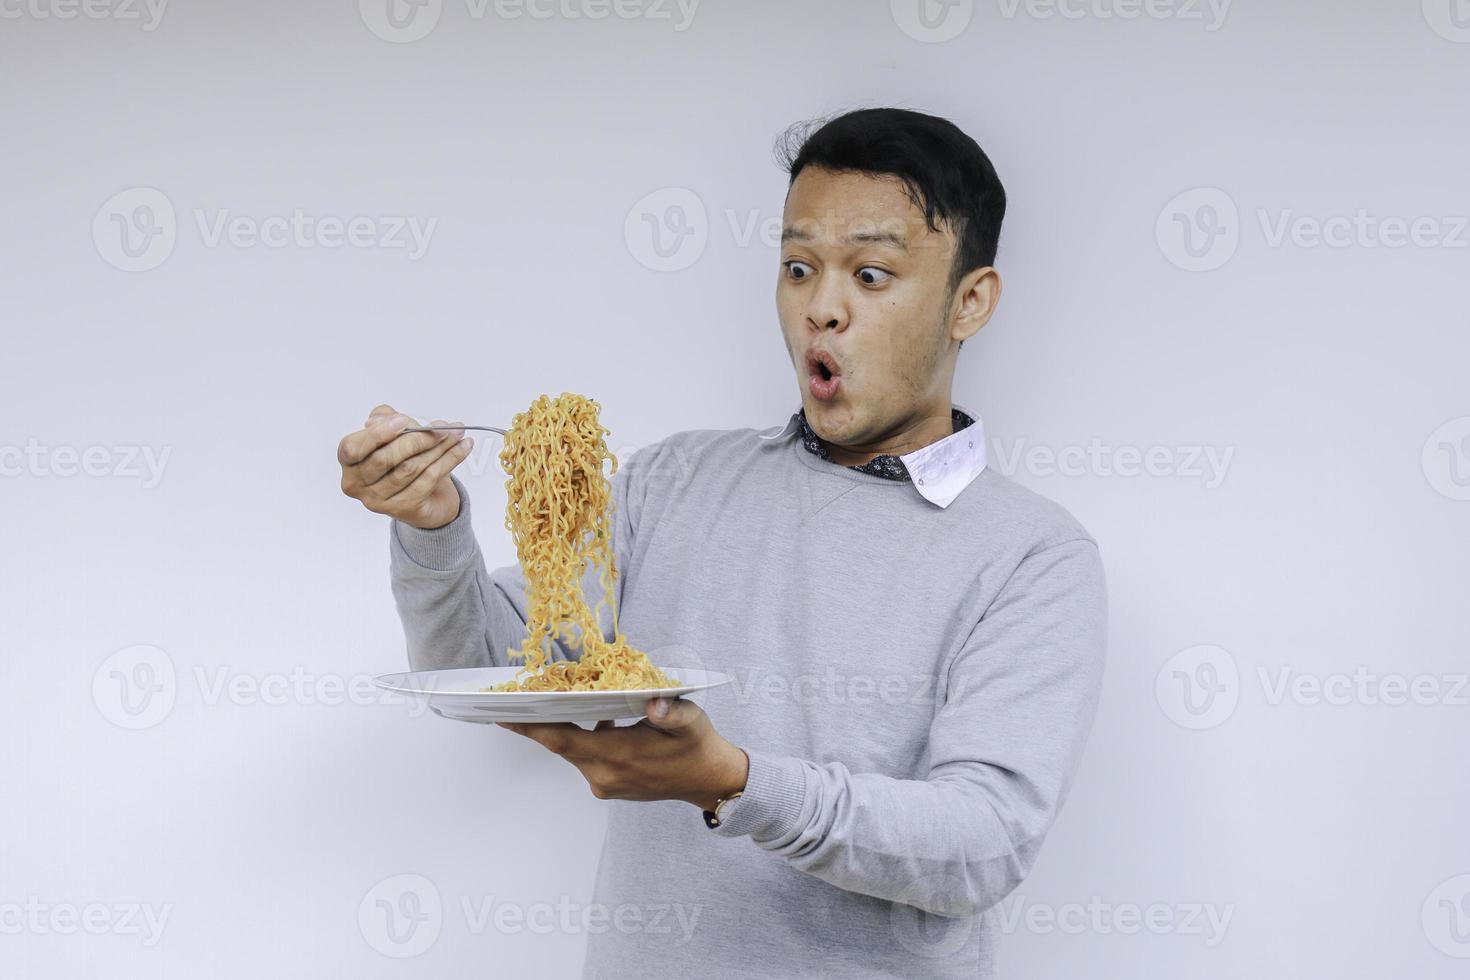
x=559, y=511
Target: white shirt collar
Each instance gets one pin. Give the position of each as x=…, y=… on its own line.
x=940, y=470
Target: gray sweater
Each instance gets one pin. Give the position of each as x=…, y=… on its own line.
x=913, y=685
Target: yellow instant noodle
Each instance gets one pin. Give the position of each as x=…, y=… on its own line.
x=559, y=512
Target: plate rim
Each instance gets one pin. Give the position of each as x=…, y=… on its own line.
x=681, y=689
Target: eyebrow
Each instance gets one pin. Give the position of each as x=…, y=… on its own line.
x=792, y=234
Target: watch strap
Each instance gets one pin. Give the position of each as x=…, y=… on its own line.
x=712, y=818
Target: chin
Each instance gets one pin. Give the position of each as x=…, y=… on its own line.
x=831, y=421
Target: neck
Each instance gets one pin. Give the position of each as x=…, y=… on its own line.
x=910, y=434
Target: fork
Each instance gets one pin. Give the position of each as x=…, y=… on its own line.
x=448, y=428
x=421, y=424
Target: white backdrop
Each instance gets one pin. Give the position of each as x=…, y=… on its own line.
x=1233, y=342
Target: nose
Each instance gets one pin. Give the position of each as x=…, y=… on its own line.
x=828, y=310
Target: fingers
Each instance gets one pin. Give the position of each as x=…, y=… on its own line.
x=670, y=714
x=402, y=460
x=443, y=460
x=380, y=430
x=560, y=737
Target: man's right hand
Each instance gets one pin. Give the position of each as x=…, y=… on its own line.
x=403, y=475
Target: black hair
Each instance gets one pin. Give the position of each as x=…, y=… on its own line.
x=945, y=172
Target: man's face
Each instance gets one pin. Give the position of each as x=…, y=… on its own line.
x=863, y=283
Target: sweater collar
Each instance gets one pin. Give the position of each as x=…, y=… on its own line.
x=938, y=471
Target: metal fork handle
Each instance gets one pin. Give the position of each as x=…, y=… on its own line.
x=448, y=428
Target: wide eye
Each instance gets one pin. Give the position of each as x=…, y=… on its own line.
x=873, y=276
x=797, y=269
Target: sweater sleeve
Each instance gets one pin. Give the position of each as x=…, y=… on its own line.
x=457, y=614
x=1004, y=743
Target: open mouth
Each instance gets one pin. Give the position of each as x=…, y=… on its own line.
x=823, y=374
x=821, y=364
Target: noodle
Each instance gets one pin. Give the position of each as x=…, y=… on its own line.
x=559, y=512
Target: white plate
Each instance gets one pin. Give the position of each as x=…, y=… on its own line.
x=456, y=693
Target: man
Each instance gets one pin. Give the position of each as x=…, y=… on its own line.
x=917, y=643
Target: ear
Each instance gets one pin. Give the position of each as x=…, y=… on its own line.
x=976, y=297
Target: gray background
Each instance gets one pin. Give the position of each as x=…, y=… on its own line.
x=1327, y=831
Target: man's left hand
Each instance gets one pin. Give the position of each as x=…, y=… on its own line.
x=673, y=754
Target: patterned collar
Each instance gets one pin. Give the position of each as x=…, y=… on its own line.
x=938, y=471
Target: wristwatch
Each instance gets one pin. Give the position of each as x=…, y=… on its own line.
x=713, y=817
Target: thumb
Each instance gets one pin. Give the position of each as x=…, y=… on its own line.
x=672, y=714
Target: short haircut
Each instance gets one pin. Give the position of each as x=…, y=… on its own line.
x=945, y=172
